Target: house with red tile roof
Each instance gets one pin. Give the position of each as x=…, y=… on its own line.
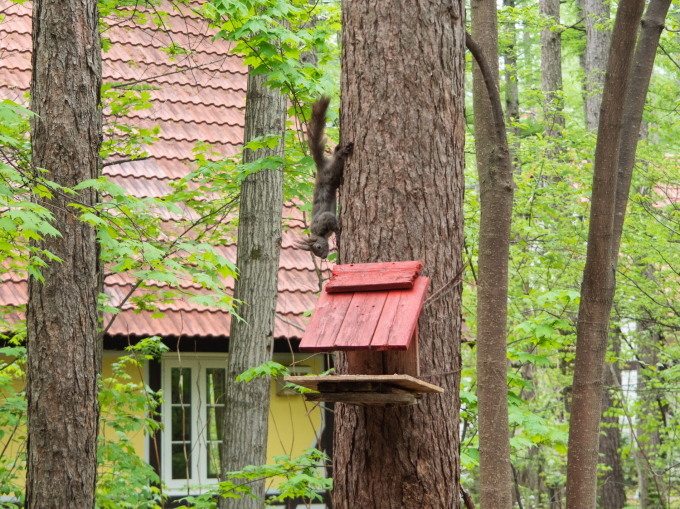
x=197, y=96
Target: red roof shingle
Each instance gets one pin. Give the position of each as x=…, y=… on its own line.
x=195, y=97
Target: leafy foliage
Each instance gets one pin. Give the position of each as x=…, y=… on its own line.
x=128, y=409
x=12, y=420
x=299, y=478
x=552, y=198
x=22, y=220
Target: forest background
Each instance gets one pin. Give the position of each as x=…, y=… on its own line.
x=551, y=123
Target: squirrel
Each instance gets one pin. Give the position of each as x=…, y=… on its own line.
x=328, y=178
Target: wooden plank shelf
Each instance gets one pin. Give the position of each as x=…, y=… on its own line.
x=368, y=390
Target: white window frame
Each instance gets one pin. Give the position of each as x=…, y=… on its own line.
x=198, y=363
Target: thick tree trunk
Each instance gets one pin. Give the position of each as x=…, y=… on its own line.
x=597, y=290
x=251, y=340
x=402, y=106
x=598, y=40
x=63, y=410
x=495, y=187
x=551, y=69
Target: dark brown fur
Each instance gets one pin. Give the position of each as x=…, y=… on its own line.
x=328, y=179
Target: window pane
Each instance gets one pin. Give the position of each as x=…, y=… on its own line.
x=180, y=459
x=214, y=457
x=215, y=388
x=215, y=420
x=181, y=424
x=181, y=385
x=215, y=385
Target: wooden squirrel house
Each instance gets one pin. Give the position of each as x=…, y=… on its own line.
x=370, y=311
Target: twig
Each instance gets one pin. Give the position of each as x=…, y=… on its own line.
x=121, y=161
x=436, y=295
x=289, y=322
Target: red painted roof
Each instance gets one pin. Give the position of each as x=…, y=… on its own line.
x=363, y=313
x=373, y=276
x=203, y=102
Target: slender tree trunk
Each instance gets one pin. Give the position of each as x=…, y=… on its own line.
x=638, y=84
x=649, y=421
x=495, y=186
x=612, y=493
x=551, y=69
x=251, y=340
x=598, y=41
x=63, y=410
x=402, y=106
x=597, y=290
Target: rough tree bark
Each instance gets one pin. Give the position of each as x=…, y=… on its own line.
x=62, y=321
x=598, y=41
x=246, y=409
x=597, y=290
x=551, y=69
x=494, y=168
x=402, y=106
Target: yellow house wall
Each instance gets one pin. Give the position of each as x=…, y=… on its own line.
x=137, y=375
x=294, y=424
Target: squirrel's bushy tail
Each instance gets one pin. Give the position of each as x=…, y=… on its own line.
x=317, y=123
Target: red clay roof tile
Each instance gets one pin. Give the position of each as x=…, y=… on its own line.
x=195, y=97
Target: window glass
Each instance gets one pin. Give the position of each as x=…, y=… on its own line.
x=214, y=388
x=181, y=459
x=180, y=424
x=181, y=385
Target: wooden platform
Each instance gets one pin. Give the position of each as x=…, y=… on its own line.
x=367, y=390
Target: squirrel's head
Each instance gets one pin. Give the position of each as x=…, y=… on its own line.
x=317, y=245
x=320, y=247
